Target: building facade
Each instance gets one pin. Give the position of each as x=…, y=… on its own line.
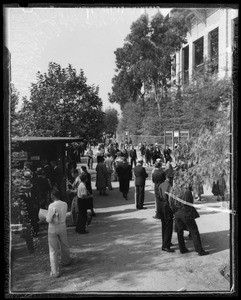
x=211, y=37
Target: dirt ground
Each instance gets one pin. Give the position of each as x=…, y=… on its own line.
x=122, y=253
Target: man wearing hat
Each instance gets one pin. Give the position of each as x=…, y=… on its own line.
x=140, y=180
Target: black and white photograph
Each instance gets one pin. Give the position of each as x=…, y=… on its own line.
x=120, y=150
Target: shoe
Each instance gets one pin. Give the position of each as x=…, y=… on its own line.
x=203, y=253
x=168, y=249
x=184, y=251
x=142, y=208
x=57, y=275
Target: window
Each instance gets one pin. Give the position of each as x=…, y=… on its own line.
x=186, y=64
x=198, y=52
x=213, y=50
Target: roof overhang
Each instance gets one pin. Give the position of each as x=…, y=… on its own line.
x=47, y=139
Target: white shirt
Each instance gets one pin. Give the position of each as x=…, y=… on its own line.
x=56, y=214
x=82, y=191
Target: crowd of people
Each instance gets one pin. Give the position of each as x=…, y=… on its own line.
x=173, y=198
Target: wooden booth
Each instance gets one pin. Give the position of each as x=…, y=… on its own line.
x=35, y=149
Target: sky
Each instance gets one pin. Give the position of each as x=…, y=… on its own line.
x=84, y=37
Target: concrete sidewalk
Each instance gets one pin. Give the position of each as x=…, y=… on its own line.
x=122, y=253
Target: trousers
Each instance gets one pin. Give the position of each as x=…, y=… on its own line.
x=167, y=224
x=57, y=239
x=82, y=215
x=191, y=226
x=139, y=195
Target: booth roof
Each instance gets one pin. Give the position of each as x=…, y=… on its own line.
x=46, y=139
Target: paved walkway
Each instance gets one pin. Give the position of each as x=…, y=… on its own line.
x=122, y=253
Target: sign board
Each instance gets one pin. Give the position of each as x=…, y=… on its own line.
x=35, y=157
x=176, y=133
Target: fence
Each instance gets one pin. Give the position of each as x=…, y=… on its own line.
x=165, y=138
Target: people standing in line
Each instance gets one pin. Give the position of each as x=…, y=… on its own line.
x=158, y=177
x=48, y=170
x=57, y=177
x=30, y=203
x=166, y=213
x=101, y=176
x=185, y=216
x=167, y=154
x=83, y=198
x=57, y=234
x=109, y=166
x=73, y=190
x=90, y=158
x=140, y=181
x=124, y=172
x=43, y=189
x=133, y=156
x=89, y=189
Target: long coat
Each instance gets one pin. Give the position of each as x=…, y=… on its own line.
x=125, y=175
x=101, y=176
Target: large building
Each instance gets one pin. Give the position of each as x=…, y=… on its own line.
x=211, y=37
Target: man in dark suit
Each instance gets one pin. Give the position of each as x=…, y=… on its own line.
x=185, y=216
x=166, y=214
x=158, y=177
x=124, y=172
x=133, y=156
x=140, y=180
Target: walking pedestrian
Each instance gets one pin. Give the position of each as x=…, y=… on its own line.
x=124, y=172
x=140, y=180
x=158, y=177
x=57, y=234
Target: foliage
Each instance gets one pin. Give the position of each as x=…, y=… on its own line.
x=208, y=154
x=62, y=104
x=131, y=120
x=111, y=121
x=144, y=63
x=203, y=102
x=14, y=100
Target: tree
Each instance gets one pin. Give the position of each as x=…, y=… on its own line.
x=144, y=62
x=14, y=100
x=131, y=120
x=111, y=121
x=62, y=104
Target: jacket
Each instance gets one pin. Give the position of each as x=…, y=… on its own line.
x=140, y=175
